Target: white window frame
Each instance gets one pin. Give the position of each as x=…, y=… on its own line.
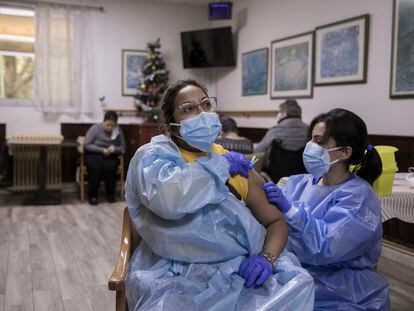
x=18, y=102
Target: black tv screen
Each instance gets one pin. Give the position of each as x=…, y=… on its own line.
x=208, y=48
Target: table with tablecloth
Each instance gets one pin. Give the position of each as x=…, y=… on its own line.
x=400, y=204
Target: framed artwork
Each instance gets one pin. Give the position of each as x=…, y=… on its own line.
x=402, y=60
x=254, y=72
x=132, y=65
x=292, y=67
x=341, y=52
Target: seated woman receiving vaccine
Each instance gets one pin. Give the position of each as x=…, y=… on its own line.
x=202, y=247
x=334, y=216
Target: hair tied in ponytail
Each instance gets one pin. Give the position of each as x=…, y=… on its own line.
x=369, y=147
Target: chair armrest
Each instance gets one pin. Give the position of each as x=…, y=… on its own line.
x=117, y=280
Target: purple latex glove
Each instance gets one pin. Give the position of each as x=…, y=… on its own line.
x=238, y=164
x=255, y=270
x=276, y=197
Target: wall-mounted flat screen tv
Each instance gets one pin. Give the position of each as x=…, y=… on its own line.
x=208, y=48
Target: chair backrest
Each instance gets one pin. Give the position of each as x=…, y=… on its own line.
x=283, y=163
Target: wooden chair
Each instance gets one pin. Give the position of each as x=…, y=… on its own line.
x=129, y=241
x=82, y=172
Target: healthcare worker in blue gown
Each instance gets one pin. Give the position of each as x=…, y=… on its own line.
x=334, y=216
x=209, y=241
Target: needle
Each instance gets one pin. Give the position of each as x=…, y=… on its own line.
x=254, y=160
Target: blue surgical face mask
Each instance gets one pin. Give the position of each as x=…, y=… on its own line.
x=317, y=160
x=201, y=130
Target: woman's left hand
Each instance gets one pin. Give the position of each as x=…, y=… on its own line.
x=238, y=163
x=255, y=270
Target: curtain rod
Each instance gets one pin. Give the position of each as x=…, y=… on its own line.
x=63, y=4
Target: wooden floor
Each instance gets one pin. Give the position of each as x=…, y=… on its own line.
x=60, y=257
x=397, y=265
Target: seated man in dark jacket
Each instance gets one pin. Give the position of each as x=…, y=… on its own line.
x=103, y=143
x=291, y=133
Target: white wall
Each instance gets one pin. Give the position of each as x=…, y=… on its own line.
x=261, y=21
x=125, y=24
x=132, y=23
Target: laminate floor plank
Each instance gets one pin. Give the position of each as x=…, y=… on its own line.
x=19, y=291
x=100, y=299
x=71, y=284
x=4, y=255
x=77, y=304
x=48, y=300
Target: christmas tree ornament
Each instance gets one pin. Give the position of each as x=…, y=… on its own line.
x=153, y=85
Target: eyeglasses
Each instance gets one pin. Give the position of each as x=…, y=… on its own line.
x=208, y=104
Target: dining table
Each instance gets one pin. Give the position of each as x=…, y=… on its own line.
x=400, y=203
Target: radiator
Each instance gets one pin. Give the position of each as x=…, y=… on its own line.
x=26, y=155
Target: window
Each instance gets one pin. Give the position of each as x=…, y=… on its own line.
x=16, y=53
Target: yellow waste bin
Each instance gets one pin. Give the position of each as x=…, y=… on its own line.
x=383, y=185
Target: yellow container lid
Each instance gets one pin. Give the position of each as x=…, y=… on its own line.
x=386, y=150
x=383, y=185
x=387, y=155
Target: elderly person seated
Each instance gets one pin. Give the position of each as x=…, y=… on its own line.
x=103, y=143
x=229, y=137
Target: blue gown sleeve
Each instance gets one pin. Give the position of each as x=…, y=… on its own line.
x=160, y=179
x=343, y=228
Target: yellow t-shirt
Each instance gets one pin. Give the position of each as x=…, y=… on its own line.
x=238, y=182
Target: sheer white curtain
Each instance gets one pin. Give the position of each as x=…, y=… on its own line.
x=63, y=60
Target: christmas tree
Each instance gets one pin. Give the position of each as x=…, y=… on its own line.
x=153, y=84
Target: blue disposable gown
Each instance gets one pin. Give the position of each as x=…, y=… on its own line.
x=336, y=233
x=195, y=235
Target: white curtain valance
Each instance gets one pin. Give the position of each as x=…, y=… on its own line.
x=63, y=60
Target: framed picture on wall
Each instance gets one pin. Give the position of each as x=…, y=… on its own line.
x=341, y=52
x=132, y=65
x=402, y=60
x=254, y=72
x=292, y=67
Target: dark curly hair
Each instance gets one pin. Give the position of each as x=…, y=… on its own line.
x=349, y=130
x=167, y=101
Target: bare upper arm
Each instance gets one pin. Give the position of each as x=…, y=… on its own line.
x=265, y=212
